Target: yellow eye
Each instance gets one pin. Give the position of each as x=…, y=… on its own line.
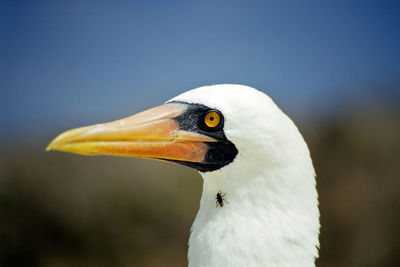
x=212, y=119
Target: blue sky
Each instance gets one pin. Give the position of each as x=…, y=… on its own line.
x=69, y=63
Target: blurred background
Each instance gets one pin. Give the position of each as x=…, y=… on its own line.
x=333, y=66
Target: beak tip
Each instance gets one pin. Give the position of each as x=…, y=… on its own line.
x=60, y=140
x=55, y=143
x=50, y=146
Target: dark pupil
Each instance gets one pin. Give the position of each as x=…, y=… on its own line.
x=211, y=118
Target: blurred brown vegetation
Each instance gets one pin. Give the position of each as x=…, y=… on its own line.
x=59, y=209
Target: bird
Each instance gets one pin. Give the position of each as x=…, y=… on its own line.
x=259, y=204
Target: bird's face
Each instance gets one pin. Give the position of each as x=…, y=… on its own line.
x=204, y=128
x=253, y=123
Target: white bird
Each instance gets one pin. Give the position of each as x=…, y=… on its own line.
x=259, y=205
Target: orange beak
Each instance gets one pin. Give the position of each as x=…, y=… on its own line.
x=153, y=133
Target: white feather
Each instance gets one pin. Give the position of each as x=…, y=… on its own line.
x=272, y=216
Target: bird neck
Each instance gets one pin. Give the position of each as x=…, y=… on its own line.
x=269, y=217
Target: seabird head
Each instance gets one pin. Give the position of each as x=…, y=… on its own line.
x=204, y=128
x=252, y=126
x=247, y=150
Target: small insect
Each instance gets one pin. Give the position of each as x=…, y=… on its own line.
x=220, y=199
